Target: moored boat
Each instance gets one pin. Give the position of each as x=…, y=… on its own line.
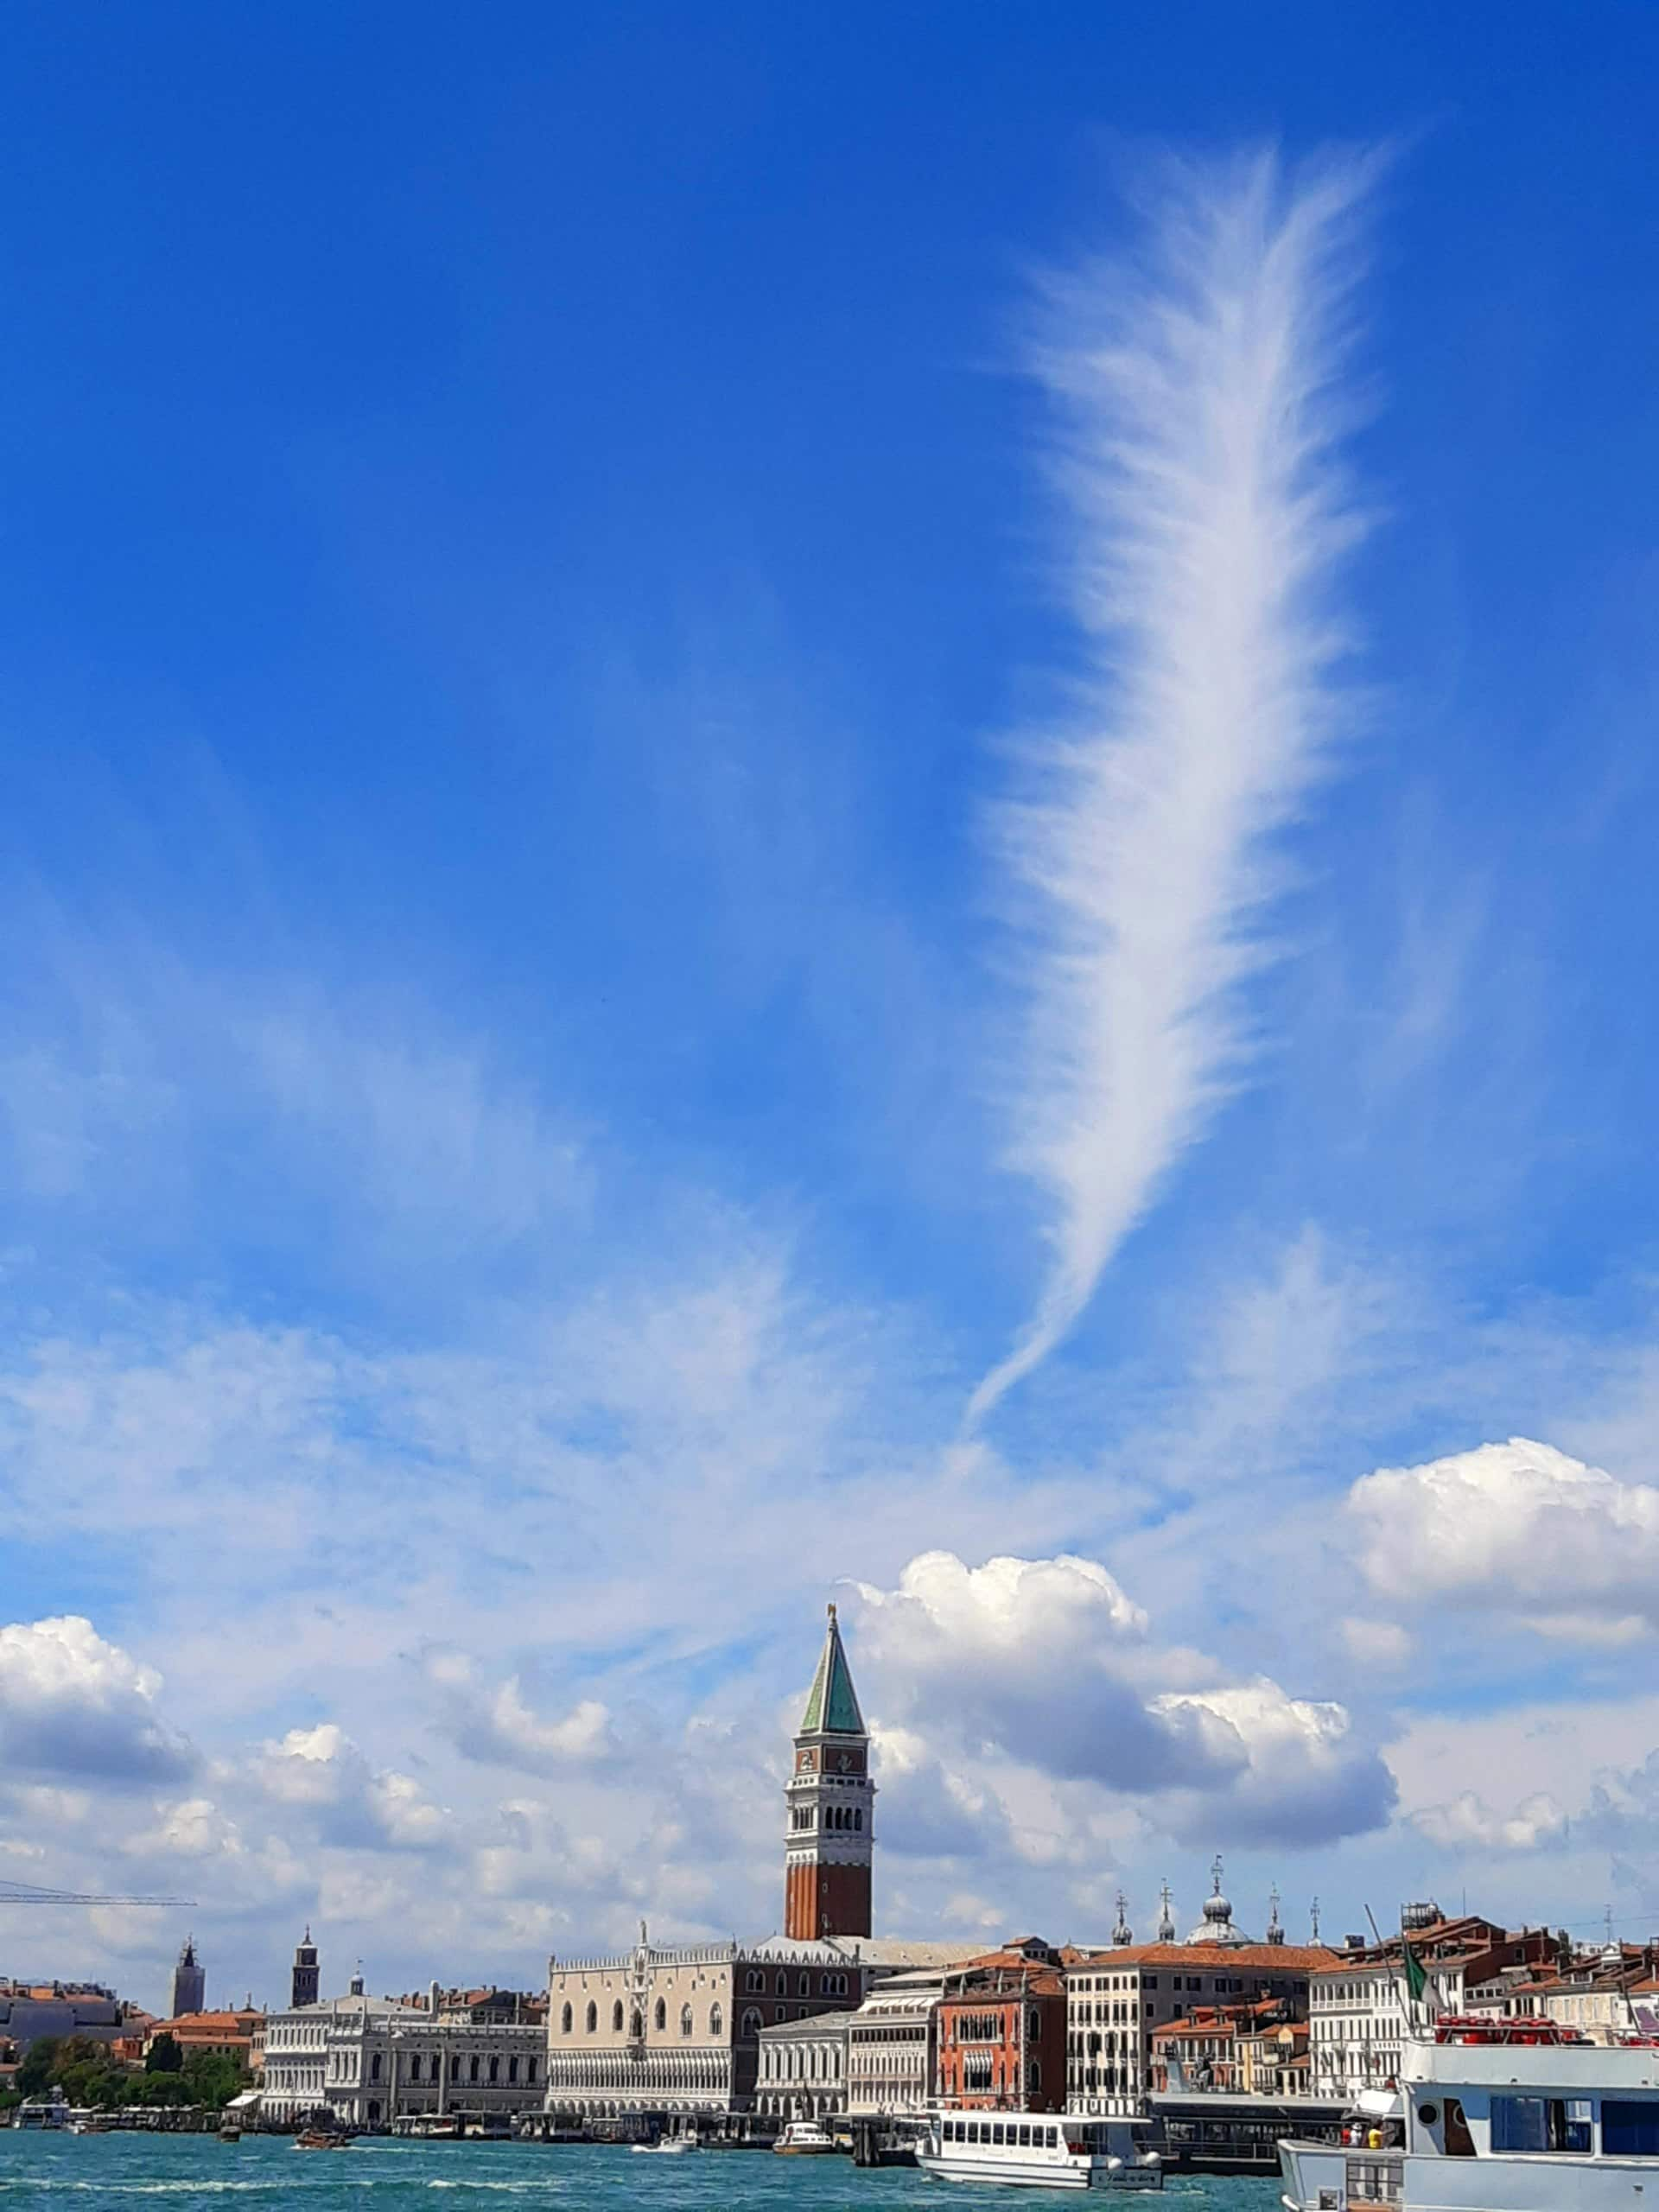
x=1496, y=2116
x=322, y=2138
x=804, y=2138
x=668, y=2147
x=1036, y=2151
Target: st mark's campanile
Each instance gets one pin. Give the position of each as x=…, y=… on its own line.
x=830, y=1804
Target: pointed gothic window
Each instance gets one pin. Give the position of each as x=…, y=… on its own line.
x=685, y=2019
x=751, y=2021
x=593, y=2016
x=660, y=2016
x=616, y=2017
x=783, y=1984
x=717, y=2020
x=564, y=2021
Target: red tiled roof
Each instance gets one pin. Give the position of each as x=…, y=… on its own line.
x=1216, y=1958
x=207, y=2024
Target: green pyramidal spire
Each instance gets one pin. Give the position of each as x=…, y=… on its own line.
x=832, y=1707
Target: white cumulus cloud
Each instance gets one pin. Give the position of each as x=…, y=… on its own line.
x=1520, y=1525
x=71, y=1704
x=323, y=1770
x=499, y=1724
x=1050, y=1663
x=1468, y=1822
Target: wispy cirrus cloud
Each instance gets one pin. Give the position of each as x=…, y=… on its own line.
x=1201, y=401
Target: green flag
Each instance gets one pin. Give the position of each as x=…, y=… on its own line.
x=1416, y=1979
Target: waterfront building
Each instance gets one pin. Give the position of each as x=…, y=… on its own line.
x=305, y=1980
x=1249, y=2050
x=676, y=2028
x=1118, y=1997
x=1002, y=2030
x=31, y=2009
x=1274, y=2056
x=189, y=1981
x=1595, y=1992
x=1358, y=2010
x=893, y=2045
x=829, y=1808
x=801, y=2072
x=374, y=2061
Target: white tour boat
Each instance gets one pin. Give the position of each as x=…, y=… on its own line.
x=667, y=2146
x=1516, y=2115
x=804, y=2138
x=1036, y=2151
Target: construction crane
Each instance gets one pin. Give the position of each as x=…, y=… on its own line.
x=31, y=1893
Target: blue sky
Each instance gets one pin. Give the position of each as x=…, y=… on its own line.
x=534, y=567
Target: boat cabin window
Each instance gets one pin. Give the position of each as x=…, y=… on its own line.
x=1630, y=2127
x=1542, y=2124
x=1460, y=2143
x=996, y=2132
x=1024, y=2137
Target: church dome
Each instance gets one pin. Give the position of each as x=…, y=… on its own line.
x=1217, y=1924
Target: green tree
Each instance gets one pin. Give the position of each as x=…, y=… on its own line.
x=88, y=2072
x=157, y=2089
x=164, y=2055
x=35, y=2073
x=213, y=2078
x=80, y=2065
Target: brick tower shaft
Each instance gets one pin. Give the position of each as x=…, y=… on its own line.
x=830, y=1808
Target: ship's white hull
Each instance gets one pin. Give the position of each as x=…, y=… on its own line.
x=1004, y=2173
x=1004, y=2169
x=1320, y=2178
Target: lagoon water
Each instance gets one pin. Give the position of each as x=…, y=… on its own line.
x=195, y=2173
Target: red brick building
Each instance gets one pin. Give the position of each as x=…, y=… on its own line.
x=1002, y=2030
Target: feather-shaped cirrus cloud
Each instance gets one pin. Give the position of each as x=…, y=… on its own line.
x=1201, y=395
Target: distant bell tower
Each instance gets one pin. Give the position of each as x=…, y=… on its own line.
x=829, y=1804
x=189, y=1981
x=303, y=1987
